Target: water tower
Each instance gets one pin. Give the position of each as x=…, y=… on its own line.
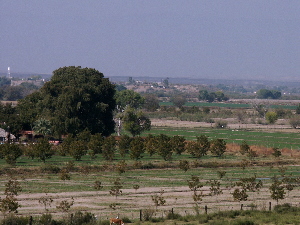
x=8, y=72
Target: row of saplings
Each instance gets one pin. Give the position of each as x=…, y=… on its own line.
x=84, y=143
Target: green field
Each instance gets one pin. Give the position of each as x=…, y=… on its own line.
x=259, y=138
x=226, y=105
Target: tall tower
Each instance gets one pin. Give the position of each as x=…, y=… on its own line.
x=8, y=72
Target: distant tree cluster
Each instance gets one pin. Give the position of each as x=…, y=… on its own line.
x=268, y=94
x=14, y=93
x=219, y=96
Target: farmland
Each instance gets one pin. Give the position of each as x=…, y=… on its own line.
x=132, y=188
x=270, y=138
x=156, y=177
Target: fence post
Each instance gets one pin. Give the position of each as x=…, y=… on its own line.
x=205, y=208
x=270, y=206
x=30, y=220
x=172, y=211
x=141, y=215
x=242, y=206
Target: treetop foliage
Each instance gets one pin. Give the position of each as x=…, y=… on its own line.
x=129, y=98
x=74, y=99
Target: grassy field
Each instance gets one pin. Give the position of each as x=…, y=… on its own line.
x=259, y=138
x=226, y=105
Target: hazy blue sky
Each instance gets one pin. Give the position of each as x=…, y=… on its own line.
x=251, y=39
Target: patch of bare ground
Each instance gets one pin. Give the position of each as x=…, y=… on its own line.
x=132, y=201
x=280, y=126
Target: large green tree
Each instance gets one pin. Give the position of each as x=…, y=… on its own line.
x=178, y=100
x=9, y=118
x=73, y=100
x=198, y=148
x=164, y=147
x=129, y=98
x=218, y=147
x=137, y=148
x=42, y=126
x=151, y=102
x=271, y=117
x=10, y=152
x=135, y=122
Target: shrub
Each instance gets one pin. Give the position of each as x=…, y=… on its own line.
x=148, y=166
x=173, y=216
x=295, y=121
x=286, y=207
x=46, y=219
x=243, y=222
x=157, y=220
x=80, y=218
x=221, y=124
x=126, y=220
x=49, y=169
x=148, y=214
x=184, y=165
x=12, y=219
x=203, y=219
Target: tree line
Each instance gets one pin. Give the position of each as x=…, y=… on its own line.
x=86, y=143
x=78, y=98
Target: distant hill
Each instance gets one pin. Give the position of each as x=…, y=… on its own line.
x=204, y=81
x=181, y=80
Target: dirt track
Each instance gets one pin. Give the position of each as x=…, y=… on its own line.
x=131, y=201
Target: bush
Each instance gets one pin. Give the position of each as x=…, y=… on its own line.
x=80, y=218
x=221, y=124
x=126, y=220
x=204, y=218
x=157, y=220
x=286, y=207
x=46, y=219
x=187, y=218
x=148, y=166
x=243, y=222
x=49, y=169
x=173, y=216
x=295, y=121
x=148, y=214
x=12, y=219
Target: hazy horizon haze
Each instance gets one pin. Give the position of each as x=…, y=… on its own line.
x=231, y=39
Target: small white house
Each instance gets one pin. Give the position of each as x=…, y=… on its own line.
x=4, y=134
